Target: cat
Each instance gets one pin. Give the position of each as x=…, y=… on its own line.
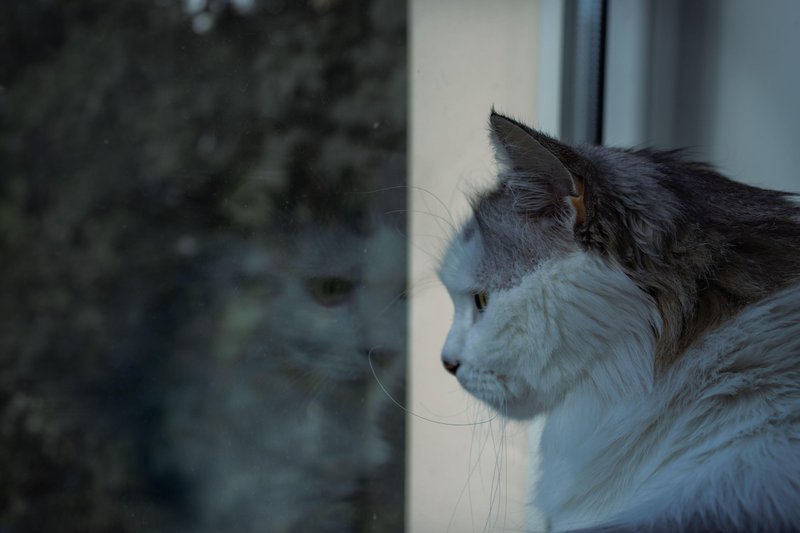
x=650, y=308
x=278, y=423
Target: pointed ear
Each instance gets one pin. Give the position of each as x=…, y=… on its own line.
x=533, y=167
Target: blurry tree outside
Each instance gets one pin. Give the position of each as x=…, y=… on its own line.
x=202, y=264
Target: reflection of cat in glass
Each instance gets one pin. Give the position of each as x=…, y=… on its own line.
x=289, y=430
x=650, y=307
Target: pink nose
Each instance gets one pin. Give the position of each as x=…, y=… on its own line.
x=451, y=366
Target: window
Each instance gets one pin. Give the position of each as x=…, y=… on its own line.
x=220, y=222
x=202, y=220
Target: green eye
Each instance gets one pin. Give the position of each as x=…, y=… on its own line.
x=481, y=301
x=330, y=291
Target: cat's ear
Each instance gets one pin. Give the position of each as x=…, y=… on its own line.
x=534, y=169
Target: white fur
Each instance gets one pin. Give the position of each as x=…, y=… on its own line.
x=575, y=339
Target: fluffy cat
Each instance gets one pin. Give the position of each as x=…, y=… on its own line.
x=650, y=307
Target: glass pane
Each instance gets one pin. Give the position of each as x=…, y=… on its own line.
x=202, y=235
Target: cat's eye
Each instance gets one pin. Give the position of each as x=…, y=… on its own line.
x=330, y=291
x=481, y=301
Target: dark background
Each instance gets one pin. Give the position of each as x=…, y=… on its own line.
x=139, y=142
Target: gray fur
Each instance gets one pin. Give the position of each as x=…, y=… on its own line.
x=703, y=246
x=649, y=307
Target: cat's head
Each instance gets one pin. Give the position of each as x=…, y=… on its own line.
x=556, y=270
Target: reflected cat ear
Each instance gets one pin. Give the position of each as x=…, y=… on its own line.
x=533, y=167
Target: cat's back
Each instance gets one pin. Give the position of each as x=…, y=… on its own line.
x=724, y=428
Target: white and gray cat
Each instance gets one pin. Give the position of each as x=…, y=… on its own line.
x=650, y=307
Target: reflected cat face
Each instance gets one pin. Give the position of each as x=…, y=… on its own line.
x=318, y=305
x=279, y=420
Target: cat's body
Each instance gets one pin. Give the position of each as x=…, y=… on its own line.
x=651, y=309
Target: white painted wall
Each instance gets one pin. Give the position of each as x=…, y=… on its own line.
x=751, y=122
x=720, y=77
x=466, y=55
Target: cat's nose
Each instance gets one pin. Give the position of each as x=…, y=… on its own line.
x=450, y=365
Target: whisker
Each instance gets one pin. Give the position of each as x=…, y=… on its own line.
x=413, y=188
x=419, y=286
x=398, y=404
x=501, y=461
x=492, y=485
x=467, y=487
x=391, y=303
x=411, y=290
x=449, y=223
x=434, y=258
x=489, y=436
